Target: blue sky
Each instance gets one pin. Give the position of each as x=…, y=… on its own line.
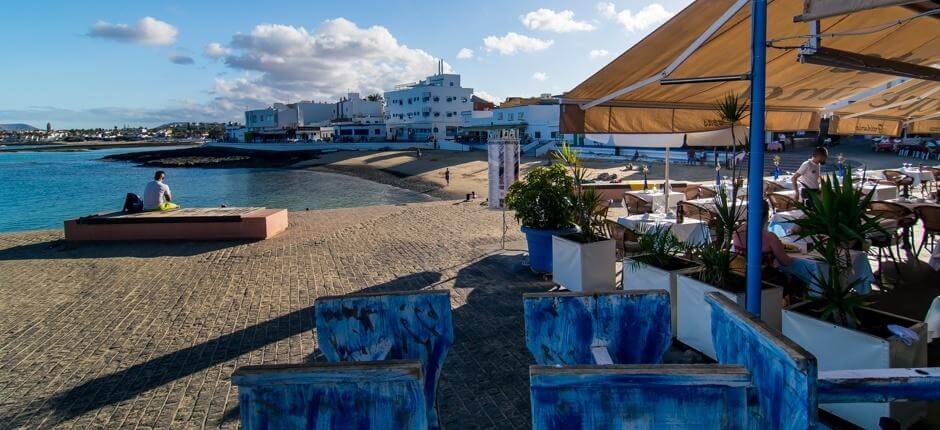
x=106, y=63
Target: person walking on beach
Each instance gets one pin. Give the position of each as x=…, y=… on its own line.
x=447, y=175
x=157, y=196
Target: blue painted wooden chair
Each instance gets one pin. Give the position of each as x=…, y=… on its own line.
x=639, y=397
x=413, y=325
x=786, y=381
x=386, y=395
x=619, y=327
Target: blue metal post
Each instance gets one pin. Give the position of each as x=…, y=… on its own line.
x=755, y=185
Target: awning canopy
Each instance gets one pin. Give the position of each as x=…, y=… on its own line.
x=887, y=111
x=632, y=100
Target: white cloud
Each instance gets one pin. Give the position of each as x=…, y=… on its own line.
x=181, y=59
x=540, y=76
x=216, y=50
x=465, y=54
x=147, y=31
x=487, y=96
x=288, y=63
x=647, y=17
x=598, y=53
x=549, y=20
x=512, y=43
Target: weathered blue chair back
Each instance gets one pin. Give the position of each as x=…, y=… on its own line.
x=561, y=328
x=385, y=395
x=639, y=397
x=784, y=374
x=414, y=325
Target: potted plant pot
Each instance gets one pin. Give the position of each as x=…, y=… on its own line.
x=540, y=247
x=583, y=266
x=869, y=346
x=641, y=273
x=694, y=315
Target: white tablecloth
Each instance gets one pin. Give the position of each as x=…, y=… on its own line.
x=781, y=223
x=784, y=181
x=915, y=173
x=808, y=266
x=711, y=203
x=882, y=192
x=658, y=199
x=691, y=231
x=742, y=190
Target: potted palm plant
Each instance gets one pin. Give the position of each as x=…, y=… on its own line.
x=543, y=207
x=834, y=319
x=721, y=272
x=658, y=264
x=584, y=260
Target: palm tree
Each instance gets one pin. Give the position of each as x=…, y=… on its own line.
x=374, y=97
x=731, y=109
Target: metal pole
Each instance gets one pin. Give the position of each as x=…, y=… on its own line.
x=755, y=185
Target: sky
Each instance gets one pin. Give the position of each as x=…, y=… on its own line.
x=145, y=63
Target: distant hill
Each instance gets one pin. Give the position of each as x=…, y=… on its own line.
x=17, y=127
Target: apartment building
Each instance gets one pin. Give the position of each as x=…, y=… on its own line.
x=426, y=110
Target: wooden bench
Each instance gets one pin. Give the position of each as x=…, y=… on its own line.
x=241, y=223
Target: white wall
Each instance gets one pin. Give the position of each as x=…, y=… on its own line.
x=315, y=113
x=431, y=107
x=354, y=106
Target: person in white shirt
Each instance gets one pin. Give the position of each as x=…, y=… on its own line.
x=806, y=178
x=157, y=195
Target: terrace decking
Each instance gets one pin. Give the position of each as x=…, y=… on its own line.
x=241, y=223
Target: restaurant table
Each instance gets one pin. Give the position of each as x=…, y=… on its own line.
x=658, y=198
x=809, y=265
x=785, y=181
x=711, y=203
x=691, y=231
x=882, y=192
x=742, y=190
x=916, y=174
x=913, y=203
x=781, y=223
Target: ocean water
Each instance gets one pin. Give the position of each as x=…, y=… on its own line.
x=38, y=190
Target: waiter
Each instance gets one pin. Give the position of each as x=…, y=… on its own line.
x=806, y=178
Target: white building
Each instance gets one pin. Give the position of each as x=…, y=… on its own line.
x=314, y=113
x=261, y=119
x=360, y=129
x=536, y=120
x=353, y=106
x=429, y=108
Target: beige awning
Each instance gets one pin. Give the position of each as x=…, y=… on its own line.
x=796, y=93
x=886, y=111
x=928, y=126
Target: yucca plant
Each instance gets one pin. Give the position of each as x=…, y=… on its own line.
x=658, y=246
x=716, y=256
x=837, y=221
x=583, y=200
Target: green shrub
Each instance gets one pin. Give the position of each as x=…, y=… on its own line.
x=541, y=201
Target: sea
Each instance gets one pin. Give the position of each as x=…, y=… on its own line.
x=40, y=189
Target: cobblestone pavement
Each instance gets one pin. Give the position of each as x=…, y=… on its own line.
x=147, y=335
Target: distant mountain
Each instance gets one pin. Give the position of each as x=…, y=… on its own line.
x=17, y=127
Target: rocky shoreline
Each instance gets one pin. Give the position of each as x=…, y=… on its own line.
x=215, y=157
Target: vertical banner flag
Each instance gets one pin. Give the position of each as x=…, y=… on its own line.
x=503, y=157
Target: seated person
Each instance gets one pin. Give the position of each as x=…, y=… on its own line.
x=771, y=247
x=157, y=195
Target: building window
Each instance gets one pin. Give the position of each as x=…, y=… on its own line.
x=499, y=116
x=435, y=129
x=538, y=134
x=554, y=135
x=463, y=99
x=437, y=114
x=451, y=84
x=510, y=117
x=378, y=131
x=521, y=116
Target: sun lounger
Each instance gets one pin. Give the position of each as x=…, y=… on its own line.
x=242, y=223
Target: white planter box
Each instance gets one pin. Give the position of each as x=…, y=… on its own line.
x=584, y=267
x=641, y=276
x=841, y=348
x=695, y=316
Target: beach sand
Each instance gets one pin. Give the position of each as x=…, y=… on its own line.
x=468, y=170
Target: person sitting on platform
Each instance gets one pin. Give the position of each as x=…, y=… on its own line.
x=157, y=195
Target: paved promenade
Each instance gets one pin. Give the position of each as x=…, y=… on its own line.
x=147, y=335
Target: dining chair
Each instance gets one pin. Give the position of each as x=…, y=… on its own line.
x=636, y=205
x=781, y=203
x=930, y=218
x=773, y=187
x=705, y=192
x=692, y=191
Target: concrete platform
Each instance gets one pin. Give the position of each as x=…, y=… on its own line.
x=182, y=224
